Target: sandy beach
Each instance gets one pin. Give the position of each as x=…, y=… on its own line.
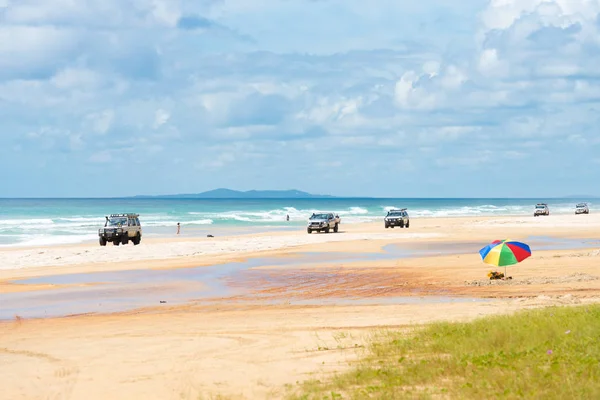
x=245, y=316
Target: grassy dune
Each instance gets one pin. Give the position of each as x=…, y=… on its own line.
x=551, y=353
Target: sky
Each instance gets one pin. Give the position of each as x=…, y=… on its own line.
x=383, y=98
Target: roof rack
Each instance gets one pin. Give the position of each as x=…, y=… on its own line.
x=541, y=204
x=398, y=209
x=129, y=215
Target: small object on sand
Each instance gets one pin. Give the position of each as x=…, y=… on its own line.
x=495, y=275
x=209, y=236
x=163, y=301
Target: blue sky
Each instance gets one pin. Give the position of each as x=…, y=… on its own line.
x=380, y=98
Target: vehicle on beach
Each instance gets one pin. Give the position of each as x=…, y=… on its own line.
x=582, y=208
x=120, y=229
x=541, y=209
x=397, y=218
x=323, y=222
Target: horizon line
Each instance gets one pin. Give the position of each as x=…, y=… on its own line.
x=315, y=197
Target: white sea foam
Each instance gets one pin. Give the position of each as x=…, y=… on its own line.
x=201, y=222
x=32, y=221
x=50, y=240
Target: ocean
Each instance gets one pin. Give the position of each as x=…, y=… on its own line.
x=37, y=222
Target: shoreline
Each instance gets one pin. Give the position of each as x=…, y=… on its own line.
x=21, y=230
x=186, y=251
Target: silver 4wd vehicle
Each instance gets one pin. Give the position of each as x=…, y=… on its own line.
x=397, y=218
x=541, y=209
x=120, y=229
x=323, y=222
x=582, y=208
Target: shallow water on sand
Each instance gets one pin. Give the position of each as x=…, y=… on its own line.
x=104, y=292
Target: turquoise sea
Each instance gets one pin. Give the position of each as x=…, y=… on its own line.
x=31, y=222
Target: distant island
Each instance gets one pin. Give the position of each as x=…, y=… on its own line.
x=236, y=194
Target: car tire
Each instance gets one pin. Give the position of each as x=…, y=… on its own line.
x=407, y=224
x=336, y=228
x=125, y=239
x=386, y=226
x=309, y=231
x=402, y=224
x=102, y=241
x=326, y=230
x=137, y=239
x=116, y=242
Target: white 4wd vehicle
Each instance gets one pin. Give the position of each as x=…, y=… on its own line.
x=582, y=208
x=397, y=218
x=120, y=229
x=323, y=222
x=541, y=209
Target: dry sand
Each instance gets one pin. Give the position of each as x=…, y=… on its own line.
x=242, y=349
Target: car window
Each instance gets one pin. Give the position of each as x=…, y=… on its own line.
x=137, y=221
x=117, y=222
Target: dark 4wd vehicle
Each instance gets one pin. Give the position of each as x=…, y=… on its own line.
x=120, y=229
x=397, y=218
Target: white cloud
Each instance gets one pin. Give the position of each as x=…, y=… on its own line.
x=101, y=122
x=76, y=78
x=543, y=37
x=217, y=162
x=577, y=139
x=331, y=110
x=38, y=48
x=453, y=78
x=432, y=88
x=76, y=142
x=411, y=92
x=160, y=118
x=101, y=157
x=490, y=65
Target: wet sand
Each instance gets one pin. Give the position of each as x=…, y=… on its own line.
x=263, y=318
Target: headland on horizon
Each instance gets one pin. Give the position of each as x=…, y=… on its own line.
x=223, y=193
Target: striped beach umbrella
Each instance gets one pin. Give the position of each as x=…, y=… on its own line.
x=503, y=253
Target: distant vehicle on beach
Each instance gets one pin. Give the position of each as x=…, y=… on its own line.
x=323, y=222
x=120, y=229
x=397, y=218
x=582, y=208
x=541, y=209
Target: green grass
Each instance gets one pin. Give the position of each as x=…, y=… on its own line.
x=551, y=353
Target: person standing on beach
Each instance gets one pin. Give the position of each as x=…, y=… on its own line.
x=287, y=217
x=178, y=228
